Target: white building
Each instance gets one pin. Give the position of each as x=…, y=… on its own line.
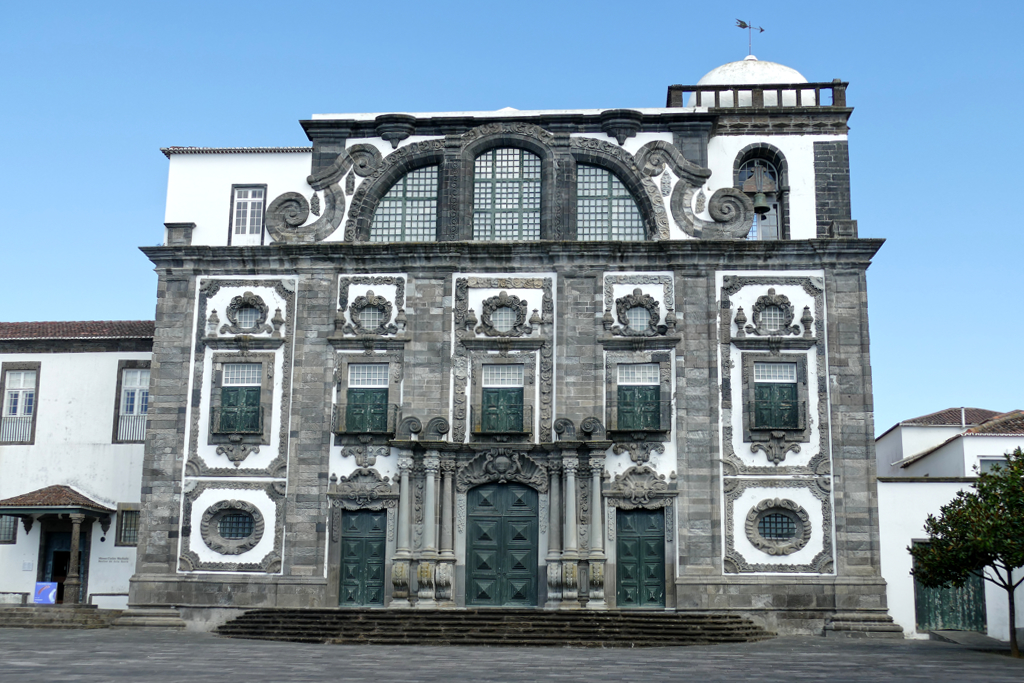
x=75, y=402
x=922, y=464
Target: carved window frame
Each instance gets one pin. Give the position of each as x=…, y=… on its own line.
x=780, y=301
x=404, y=200
x=123, y=365
x=783, y=506
x=664, y=361
x=209, y=527
x=353, y=307
x=246, y=300
x=371, y=300
x=267, y=369
x=16, y=366
x=479, y=358
x=503, y=299
x=637, y=299
x=394, y=361
x=751, y=434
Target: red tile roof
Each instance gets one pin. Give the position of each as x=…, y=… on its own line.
x=1007, y=423
x=53, y=496
x=88, y=329
x=951, y=417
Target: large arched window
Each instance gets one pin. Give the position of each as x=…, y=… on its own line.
x=760, y=177
x=408, y=212
x=506, y=195
x=605, y=210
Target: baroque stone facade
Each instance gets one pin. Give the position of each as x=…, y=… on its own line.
x=418, y=398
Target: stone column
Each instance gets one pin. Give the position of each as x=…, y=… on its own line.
x=73, y=582
x=597, y=556
x=400, y=564
x=570, y=552
x=554, y=556
x=444, y=576
x=428, y=558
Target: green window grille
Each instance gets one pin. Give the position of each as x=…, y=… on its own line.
x=639, y=407
x=408, y=212
x=502, y=410
x=127, y=527
x=367, y=411
x=506, y=195
x=605, y=210
x=240, y=410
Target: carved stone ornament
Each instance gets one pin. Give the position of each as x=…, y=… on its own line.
x=621, y=124
x=565, y=430
x=247, y=300
x=366, y=456
x=639, y=487
x=504, y=300
x=592, y=429
x=236, y=452
x=639, y=452
x=638, y=300
x=210, y=532
x=780, y=301
x=370, y=300
x=775, y=447
x=782, y=506
x=502, y=465
x=364, y=489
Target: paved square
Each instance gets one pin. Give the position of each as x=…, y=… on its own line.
x=159, y=657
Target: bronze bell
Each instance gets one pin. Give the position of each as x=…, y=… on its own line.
x=761, y=205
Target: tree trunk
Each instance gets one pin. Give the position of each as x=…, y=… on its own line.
x=1014, y=650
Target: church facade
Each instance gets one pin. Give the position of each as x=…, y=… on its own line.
x=581, y=359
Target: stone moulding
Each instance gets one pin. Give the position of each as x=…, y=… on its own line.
x=370, y=300
x=285, y=289
x=822, y=563
x=364, y=489
x=638, y=300
x=640, y=486
x=247, y=300
x=820, y=463
x=801, y=521
x=504, y=300
x=502, y=465
x=210, y=532
x=190, y=561
x=782, y=303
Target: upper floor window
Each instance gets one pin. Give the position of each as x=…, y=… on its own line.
x=506, y=195
x=639, y=396
x=367, y=398
x=775, y=396
x=760, y=180
x=134, y=405
x=19, y=406
x=248, y=204
x=605, y=210
x=502, y=399
x=408, y=212
x=240, y=411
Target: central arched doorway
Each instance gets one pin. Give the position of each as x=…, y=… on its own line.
x=501, y=546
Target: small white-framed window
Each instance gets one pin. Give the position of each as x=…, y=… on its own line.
x=133, y=407
x=503, y=319
x=248, y=317
x=775, y=372
x=8, y=529
x=368, y=375
x=370, y=317
x=771, y=318
x=127, y=525
x=987, y=463
x=20, y=398
x=502, y=375
x=638, y=317
x=639, y=373
x=248, y=211
x=242, y=374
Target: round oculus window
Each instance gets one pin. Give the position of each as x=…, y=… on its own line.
x=778, y=526
x=235, y=525
x=231, y=527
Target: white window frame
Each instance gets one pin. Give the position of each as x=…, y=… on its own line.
x=248, y=215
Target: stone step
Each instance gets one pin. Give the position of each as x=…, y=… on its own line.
x=158, y=618
x=57, y=616
x=492, y=627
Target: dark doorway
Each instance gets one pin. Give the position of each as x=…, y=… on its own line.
x=363, y=540
x=57, y=560
x=501, y=553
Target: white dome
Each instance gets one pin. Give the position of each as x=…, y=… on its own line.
x=750, y=71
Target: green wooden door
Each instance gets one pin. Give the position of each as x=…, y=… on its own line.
x=363, y=536
x=502, y=410
x=640, y=561
x=959, y=609
x=501, y=553
x=639, y=407
x=367, y=411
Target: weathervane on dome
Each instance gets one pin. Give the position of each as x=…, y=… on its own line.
x=750, y=33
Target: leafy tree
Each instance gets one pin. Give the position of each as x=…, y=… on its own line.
x=978, y=530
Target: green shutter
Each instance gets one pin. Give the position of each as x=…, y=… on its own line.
x=639, y=407
x=502, y=410
x=240, y=410
x=775, y=406
x=367, y=411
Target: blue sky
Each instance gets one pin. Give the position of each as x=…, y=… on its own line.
x=90, y=92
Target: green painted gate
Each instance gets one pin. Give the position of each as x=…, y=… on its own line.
x=959, y=609
x=501, y=552
x=640, y=558
x=363, y=535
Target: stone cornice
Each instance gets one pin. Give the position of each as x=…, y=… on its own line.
x=446, y=257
